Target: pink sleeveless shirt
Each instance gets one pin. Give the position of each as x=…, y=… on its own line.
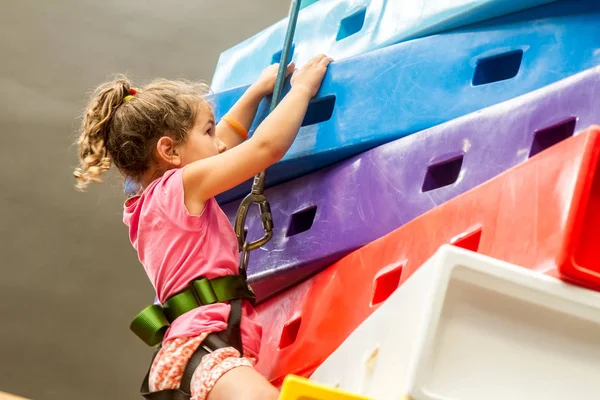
x=175, y=247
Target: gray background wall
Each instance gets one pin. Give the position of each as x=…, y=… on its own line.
x=70, y=282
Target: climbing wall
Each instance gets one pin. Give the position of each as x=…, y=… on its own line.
x=395, y=91
x=436, y=219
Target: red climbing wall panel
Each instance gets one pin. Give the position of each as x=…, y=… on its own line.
x=543, y=214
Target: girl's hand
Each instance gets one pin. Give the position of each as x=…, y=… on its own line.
x=266, y=82
x=310, y=76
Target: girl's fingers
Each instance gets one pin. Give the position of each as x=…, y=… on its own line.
x=325, y=61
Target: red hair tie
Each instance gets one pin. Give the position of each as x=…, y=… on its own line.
x=132, y=92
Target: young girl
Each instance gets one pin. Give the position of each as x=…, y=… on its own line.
x=164, y=137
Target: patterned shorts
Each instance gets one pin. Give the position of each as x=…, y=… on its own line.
x=169, y=363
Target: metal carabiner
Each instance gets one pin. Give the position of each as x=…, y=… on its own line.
x=256, y=196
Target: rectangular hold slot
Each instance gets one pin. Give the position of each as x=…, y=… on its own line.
x=385, y=283
x=290, y=333
x=548, y=137
x=301, y=221
x=585, y=254
x=319, y=110
x=352, y=24
x=493, y=331
x=498, y=68
x=277, y=56
x=468, y=241
x=442, y=173
x=306, y=3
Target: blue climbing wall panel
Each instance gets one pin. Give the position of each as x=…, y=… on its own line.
x=346, y=28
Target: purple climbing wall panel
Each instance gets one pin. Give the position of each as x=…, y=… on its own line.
x=323, y=216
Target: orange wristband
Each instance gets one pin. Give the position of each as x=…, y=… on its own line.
x=237, y=127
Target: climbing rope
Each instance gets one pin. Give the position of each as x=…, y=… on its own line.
x=256, y=195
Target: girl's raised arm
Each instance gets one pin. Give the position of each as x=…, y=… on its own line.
x=211, y=176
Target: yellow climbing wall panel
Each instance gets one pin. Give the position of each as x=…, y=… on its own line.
x=296, y=388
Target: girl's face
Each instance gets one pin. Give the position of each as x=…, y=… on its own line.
x=201, y=141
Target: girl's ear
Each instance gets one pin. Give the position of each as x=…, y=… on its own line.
x=166, y=151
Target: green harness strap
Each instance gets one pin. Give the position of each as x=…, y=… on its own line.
x=153, y=321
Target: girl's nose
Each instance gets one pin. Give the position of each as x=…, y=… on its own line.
x=221, y=147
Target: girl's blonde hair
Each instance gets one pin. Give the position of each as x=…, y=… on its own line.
x=123, y=129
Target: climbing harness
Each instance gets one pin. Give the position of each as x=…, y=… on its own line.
x=153, y=321
x=256, y=195
x=151, y=324
x=231, y=337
